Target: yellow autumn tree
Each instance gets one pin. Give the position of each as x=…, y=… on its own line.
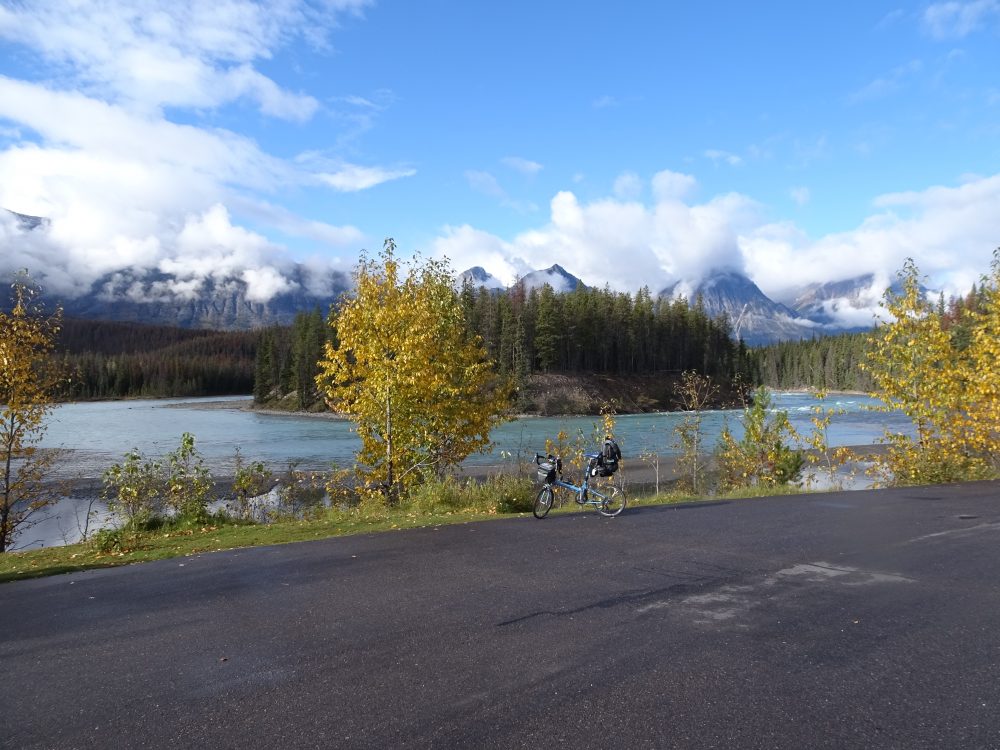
x=947, y=384
x=983, y=392
x=28, y=379
x=406, y=369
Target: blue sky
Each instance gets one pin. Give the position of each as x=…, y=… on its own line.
x=640, y=143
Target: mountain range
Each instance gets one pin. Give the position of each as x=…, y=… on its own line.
x=220, y=301
x=817, y=310
x=216, y=303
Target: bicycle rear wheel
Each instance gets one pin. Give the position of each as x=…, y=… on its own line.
x=613, y=502
x=543, y=503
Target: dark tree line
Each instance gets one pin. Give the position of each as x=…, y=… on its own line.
x=124, y=360
x=286, y=363
x=830, y=363
x=600, y=331
x=525, y=332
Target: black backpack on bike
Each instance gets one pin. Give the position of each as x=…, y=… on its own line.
x=607, y=462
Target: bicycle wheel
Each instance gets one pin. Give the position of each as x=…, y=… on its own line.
x=543, y=503
x=613, y=502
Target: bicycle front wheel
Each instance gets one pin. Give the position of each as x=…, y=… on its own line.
x=613, y=502
x=543, y=503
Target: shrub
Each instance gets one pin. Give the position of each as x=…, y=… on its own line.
x=763, y=456
x=134, y=489
x=250, y=480
x=188, y=482
x=513, y=494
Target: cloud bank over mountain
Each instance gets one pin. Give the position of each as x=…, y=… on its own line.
x=183, y=145
x=627, y=244
x=118, y=143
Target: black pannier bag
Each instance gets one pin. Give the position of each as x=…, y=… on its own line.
x=606, y=464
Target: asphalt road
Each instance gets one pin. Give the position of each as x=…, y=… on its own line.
x=845, y=620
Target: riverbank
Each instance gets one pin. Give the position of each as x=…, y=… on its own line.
x=561, y=394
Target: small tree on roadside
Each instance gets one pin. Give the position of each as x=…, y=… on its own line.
x=134, y=489
x=694, y=394
x=28, y=381
x=406, y=369
x=250, y=479
x=828, y=459
x=764, y=455
x=188, y=482
x=650, y=456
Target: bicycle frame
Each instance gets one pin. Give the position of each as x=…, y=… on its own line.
x=606, y=503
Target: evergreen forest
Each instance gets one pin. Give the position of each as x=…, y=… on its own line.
x=833, y=363
x=829, y=363
x=104, y=359
x=585, y=331
x=539, y=331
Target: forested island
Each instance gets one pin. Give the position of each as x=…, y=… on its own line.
x=561, y=352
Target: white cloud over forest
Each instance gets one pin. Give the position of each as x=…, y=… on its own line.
x=949, y=231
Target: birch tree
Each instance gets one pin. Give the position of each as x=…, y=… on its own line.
x=28, y=378
x=945, y=376
x=406, y=369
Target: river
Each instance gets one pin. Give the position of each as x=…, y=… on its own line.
x=94, y=435
x=97, y=434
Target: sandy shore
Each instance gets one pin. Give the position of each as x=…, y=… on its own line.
x=247, y=405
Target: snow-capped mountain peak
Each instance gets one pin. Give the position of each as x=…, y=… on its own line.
x=479, y=278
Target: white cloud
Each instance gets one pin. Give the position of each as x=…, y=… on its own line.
x=628, y=186
x=524, y=166
x=718, y=156
x=113, y=200
x=467, y=247
x=887, y=84
x=148, y=55
x=487, y=184
x=949, y=231
x=954, y=20
x=800, y=195
x=350, y=178
x=126, y=185
x=603, y=102
x=669, y=185
x=103, y=131
x=621, y=243
x=289, y=223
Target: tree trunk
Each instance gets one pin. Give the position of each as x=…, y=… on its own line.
x=390, y=479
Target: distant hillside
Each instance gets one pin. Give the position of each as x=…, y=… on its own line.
x=130, y=360
x=820, y=310
x=478, y=278
x=155, y=297
x=754, y=316
x=555, y=276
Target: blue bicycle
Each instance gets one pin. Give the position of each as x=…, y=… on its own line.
x=608, y=500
